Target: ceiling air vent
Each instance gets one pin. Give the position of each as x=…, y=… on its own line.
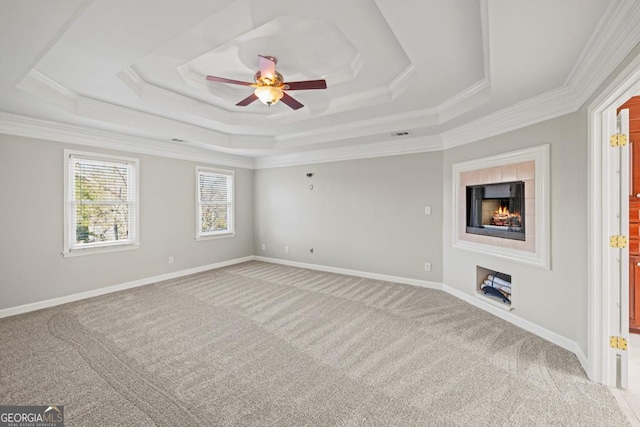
x=401, y=133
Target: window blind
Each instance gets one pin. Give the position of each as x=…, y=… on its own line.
x=102, y=202
x=215, y=202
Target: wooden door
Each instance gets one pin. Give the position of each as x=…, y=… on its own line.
x=634, y=234
x=634, y=294
x=633, y=105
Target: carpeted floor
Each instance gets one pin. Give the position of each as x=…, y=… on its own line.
x=260, y=344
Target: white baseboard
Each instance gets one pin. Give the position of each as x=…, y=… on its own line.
x=582, y=358
x=12, y=311
x=548, y=335
x=553, y=337
x=348, y=272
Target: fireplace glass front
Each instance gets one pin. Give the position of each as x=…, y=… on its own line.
x=496, y=210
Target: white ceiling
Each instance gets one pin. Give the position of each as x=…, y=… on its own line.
x=132, y=73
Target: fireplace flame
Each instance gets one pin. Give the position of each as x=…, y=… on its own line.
x=503, y=217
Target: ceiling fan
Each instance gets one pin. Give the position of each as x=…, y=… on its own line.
x=269, y=85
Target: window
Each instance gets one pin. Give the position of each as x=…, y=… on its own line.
x=101, y=203
x=214, y=203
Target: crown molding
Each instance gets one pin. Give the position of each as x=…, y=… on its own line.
x=479, y=92
x=552, y=104
x=151, y=92
x=52, y=85
x=353, y=152
x=402, y=81
x=13, y=124
x=46, y=89
x=450, y=109
x=609, y=45
x=364, y=127
x=452, y=102
x=615, y=37
x=486, y=46
x=176, y=101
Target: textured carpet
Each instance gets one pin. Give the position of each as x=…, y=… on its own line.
x=260, y=344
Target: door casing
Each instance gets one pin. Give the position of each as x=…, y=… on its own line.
x=604, y=278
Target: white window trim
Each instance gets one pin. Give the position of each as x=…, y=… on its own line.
x=231, y=232
x=108, y=246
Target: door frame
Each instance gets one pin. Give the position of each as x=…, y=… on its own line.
x=602, y=281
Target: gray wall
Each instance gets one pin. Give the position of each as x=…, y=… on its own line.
x=554, y=299
x=31, y=192
x=365, y=215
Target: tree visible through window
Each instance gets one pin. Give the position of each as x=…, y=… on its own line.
x=101, y=202
x=215, y=202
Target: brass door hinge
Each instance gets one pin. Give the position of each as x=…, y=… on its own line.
x=618, y=342
x=618, y=140
x=618, y=242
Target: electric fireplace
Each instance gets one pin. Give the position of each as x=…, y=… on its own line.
x=496, y=210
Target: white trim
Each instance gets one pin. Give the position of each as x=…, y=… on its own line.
x=231, y=208
x=582, y=358
x=546, y=334
x=118, y=247
x=624, y=406
x=610, y=43
x=349, y=272
x=401, y=82
x=133, y=183
x=393, y=147
x=26, y=308
x=614, y=38
x=600, y=307
x=481, y=303
x=541, y=257
x=224, y=235
x=53, y=85
x=29, y=127
x=365, y=127
x=494, y=302
x=555, y=103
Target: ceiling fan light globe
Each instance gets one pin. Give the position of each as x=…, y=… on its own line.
x=269, y=95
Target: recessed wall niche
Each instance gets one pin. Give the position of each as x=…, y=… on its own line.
x=516, y=231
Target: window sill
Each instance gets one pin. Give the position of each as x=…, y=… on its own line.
x=99, y=250
x=215, y=236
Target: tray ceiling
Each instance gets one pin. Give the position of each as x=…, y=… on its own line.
x=426, y=70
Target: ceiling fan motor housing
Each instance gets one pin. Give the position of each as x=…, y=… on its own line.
x=270, y=86
x=268, y=81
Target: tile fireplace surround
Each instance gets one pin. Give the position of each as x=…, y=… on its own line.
x=523, y=171
x=530, y=165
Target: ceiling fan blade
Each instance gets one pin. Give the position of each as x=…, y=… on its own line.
x=223, y=80
x=307, y=84
x=248, y=100
x=267, y=66
x=291, y=102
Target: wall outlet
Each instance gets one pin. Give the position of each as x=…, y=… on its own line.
x=427, y=210
x=170, y=260
x=427, y=266
x=264, y=246
x=286, y=249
